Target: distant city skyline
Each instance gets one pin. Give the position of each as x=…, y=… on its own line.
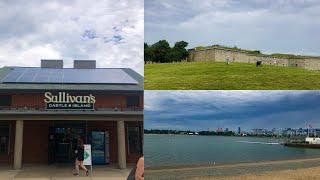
x=237, y=131
x=268, y=26
x=278, y=132
x=203, y=110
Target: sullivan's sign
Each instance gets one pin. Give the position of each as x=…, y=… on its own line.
x=66, y=101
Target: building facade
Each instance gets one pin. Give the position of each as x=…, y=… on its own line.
x=220, y=54
x=43, y=111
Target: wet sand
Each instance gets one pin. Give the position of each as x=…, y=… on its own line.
x=283, y=169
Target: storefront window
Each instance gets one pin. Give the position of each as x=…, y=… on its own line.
x=5, y=100
x=134, y=140
x=132, y=101
x=4, y=139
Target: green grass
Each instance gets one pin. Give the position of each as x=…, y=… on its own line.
x=219, y=75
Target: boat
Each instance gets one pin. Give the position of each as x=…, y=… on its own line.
x=309, y=142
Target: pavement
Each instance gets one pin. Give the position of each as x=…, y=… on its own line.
x=62, y=172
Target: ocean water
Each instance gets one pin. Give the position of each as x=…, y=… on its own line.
x=173, y=150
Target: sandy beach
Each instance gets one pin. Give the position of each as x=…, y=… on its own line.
x=303, y=173
x=282, y=169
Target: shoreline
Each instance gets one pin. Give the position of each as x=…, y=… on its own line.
x=209, y=165
x=230, y=170
x=263, y=137
x=218, y=136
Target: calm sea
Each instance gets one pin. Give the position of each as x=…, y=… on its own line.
x=168, y=150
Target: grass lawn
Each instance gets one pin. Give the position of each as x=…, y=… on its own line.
x=219, y=75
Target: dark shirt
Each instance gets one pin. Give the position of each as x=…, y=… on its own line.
x=80, y=153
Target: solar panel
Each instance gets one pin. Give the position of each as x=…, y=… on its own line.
x=68, y=76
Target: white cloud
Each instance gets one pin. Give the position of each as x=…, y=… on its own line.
x=26, y=56
x=34, y=30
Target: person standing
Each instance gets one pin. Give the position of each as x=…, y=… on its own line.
x=139, y=175
x=79, y=158
x=228, y=60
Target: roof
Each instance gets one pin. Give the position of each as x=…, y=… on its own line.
x=18, y=86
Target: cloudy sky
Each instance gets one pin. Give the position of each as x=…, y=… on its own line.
x=203, y=110
x=287, y=26
x=109, y=31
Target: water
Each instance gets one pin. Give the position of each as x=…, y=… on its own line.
x=169, y=150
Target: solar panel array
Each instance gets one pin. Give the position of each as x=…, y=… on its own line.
x=68, y=76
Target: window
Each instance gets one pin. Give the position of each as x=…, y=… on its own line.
x=5, y=100
x=132, y=101
x=134, y=140
x=4, y=139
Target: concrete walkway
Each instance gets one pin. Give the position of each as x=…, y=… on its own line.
x=62, y=172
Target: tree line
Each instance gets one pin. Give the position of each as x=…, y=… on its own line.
x=201, y=133
x=161, y=52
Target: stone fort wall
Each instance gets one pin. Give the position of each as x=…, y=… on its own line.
x=220, y=54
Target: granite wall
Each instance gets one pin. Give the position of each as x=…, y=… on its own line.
x=221, y=54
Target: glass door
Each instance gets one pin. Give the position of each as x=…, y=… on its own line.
x=100, y=147
x=63, y=142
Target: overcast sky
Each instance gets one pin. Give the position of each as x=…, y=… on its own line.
x=287, y=26
x=109, y=31
x=203, y=110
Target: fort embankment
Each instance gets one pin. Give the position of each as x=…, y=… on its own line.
x=221, y=53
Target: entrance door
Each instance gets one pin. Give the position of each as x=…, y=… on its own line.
x=63, y=140
x=100, y=147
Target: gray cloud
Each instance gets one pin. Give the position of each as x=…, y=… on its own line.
x=200, y=110
x=271, y=26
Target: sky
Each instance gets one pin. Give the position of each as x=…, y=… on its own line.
x=209, y=110
x=108, y=31
x=281, y=26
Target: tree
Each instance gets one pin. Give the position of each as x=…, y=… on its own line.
x=160, y=50
x=148, y=54
x=180, y=48
x=173, y=55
